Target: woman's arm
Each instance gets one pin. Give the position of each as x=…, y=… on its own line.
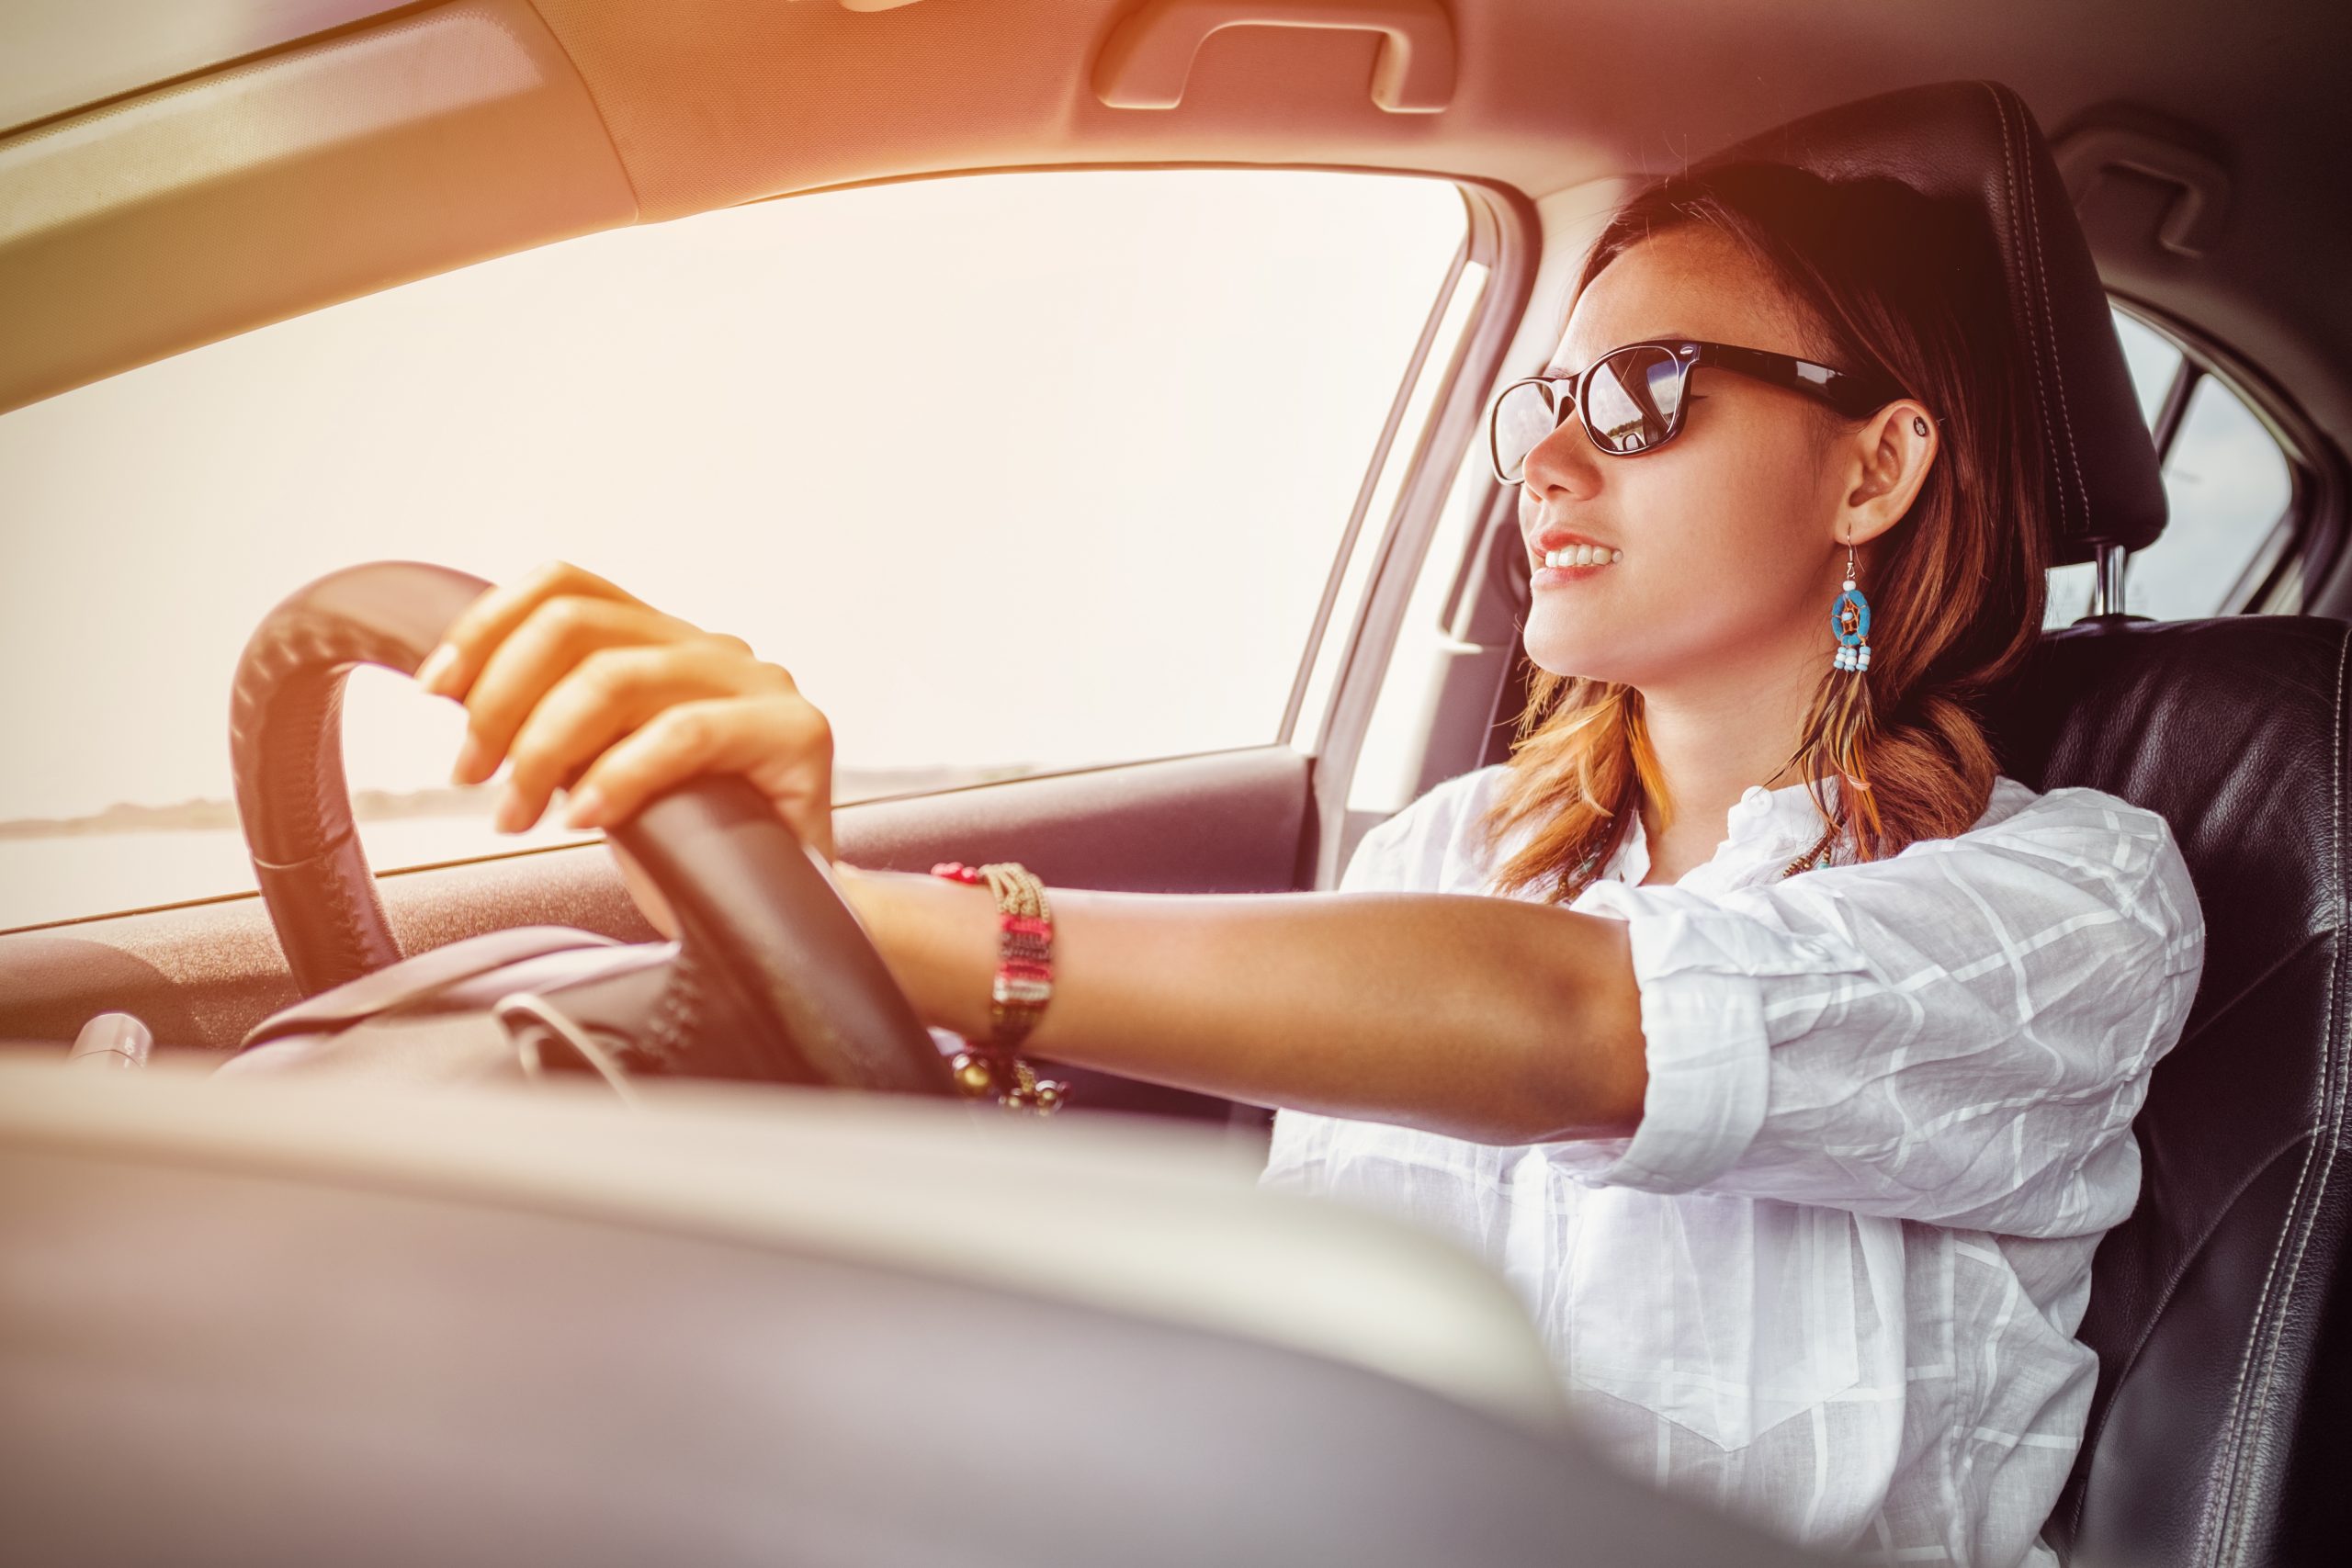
x=1489, y=1019
x=1485, y=1018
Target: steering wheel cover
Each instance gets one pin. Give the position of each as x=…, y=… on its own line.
x=759, y=917
x=285, y=754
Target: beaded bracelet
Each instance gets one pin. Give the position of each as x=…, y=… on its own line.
x=1017, y=997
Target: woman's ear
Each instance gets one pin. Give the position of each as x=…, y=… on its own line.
x=1888, y=460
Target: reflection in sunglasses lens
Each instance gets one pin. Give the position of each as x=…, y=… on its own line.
x=1525, y=417
x=1631, y=399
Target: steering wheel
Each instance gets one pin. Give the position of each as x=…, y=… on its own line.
x=773, y=975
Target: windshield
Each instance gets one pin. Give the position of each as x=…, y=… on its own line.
x=1015, y=473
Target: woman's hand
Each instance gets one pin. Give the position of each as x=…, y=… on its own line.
x=582, y=686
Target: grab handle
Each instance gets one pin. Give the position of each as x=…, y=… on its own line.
x=1149, y=57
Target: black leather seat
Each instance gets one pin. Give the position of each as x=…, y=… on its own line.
x=2221, y=1432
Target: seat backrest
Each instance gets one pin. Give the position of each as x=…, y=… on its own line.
x=2218, y=1434
x=2216, y=1309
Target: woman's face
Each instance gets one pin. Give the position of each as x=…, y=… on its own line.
x=1729, y=558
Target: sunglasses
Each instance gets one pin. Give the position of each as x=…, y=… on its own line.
x=1632, y=398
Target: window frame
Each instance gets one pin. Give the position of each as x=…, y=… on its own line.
x=1479, y=246
x=1506, y=238
x=1493, y=228
x=1504, y=234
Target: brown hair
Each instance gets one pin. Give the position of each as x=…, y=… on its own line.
x=1884, y=280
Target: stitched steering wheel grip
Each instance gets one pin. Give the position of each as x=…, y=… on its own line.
x=758, y=917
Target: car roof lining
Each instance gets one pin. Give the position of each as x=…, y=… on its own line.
x=63, y=55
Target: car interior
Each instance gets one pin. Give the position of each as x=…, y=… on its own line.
x=307, y=1320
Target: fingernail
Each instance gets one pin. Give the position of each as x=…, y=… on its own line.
x=512, y=816
x=472, y=765
x=586, y=808
x=435, y=668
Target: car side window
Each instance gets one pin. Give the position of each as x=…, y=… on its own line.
x=1017, y=473
x=2230, y=489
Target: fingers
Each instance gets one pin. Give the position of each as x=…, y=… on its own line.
x=610, y=693
x=542, y=650
x=579, y=683
x=778, y=741
x=450, y=669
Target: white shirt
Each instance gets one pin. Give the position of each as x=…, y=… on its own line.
x=1831, y=1282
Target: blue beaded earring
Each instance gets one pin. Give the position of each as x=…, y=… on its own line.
x=1849, y=622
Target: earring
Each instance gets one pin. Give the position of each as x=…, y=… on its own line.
x=1849, y=622
x=1918, y=425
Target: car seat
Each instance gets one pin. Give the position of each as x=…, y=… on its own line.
x=2217, y=1432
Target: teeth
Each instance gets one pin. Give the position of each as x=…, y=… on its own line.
x=1582, y=555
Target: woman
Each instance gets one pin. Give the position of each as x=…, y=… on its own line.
x=1779, y=1052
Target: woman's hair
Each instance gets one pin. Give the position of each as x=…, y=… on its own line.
x=1883, y=279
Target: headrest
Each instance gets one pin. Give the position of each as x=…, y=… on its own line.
x=1976, y=142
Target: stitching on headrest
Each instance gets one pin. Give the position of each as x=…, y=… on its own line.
x=2057, y=357
x=2032, y=342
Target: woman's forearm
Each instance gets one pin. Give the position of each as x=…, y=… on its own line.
x=1489, y=1019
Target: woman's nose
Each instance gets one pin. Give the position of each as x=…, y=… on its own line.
x=1562, y=461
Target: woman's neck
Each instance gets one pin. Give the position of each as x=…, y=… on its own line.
x=1710, y=749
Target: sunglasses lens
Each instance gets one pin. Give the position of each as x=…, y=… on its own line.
x=1523, y=416
x=1633, y=399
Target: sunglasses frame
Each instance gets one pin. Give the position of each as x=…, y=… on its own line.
x=1850, y=394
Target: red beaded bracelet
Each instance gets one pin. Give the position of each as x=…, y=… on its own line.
x=1022, y=985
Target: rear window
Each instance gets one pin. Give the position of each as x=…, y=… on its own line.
x=2228, y=484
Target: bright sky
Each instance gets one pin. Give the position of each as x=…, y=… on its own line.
x=1026, y=468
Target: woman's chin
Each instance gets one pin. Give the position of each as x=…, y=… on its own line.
x=1573, y=658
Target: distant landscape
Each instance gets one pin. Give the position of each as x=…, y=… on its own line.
x=475, y=800
x=141, y=856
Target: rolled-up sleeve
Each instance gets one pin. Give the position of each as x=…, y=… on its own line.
x=1959, y=1034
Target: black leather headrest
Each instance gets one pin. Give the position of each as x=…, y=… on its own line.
x=1976, y=142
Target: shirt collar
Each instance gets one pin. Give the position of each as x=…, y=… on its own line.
x=1760, y=823
x=1787, y=812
